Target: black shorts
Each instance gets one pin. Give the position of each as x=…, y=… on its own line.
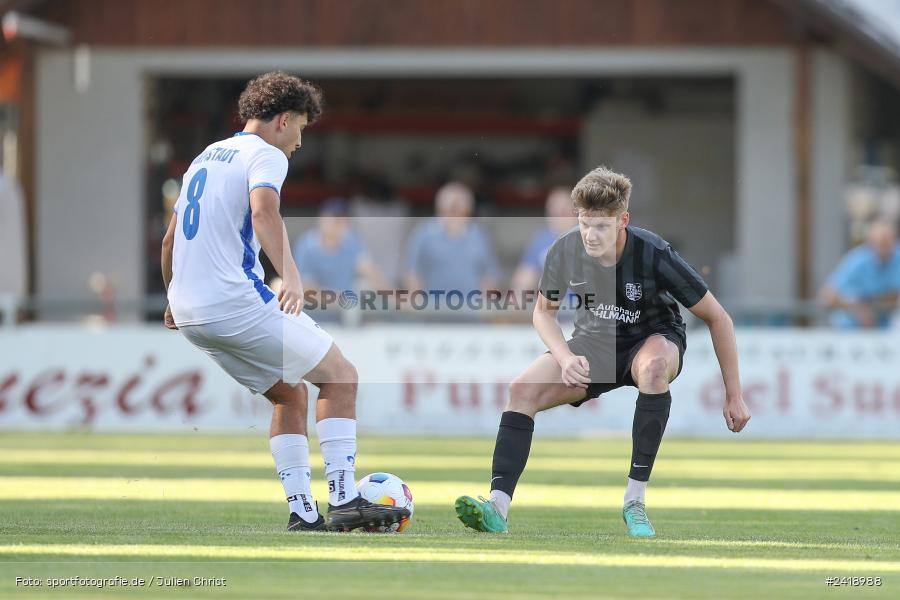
x=598, y=354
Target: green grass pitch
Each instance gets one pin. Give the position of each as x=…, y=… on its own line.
x=734, y=519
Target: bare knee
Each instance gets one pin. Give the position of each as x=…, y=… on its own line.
x=344, y=377
x=523, y=397
x=337, y=392
x=349, y=374
x=654, y=372
x=286, y=395
x=334, y=369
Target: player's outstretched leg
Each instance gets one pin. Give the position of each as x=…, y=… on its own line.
x=538, y=388
x=654, y=366
x=337, y=381
x=290, y=449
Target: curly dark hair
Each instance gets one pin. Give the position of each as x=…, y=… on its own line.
x=276, y=92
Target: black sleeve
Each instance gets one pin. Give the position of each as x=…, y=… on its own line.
x=679, y=278
x=554, y=278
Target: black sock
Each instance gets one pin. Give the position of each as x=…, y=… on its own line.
x=511, y=450
x=651, y=413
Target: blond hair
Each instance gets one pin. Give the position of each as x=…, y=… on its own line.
x=602, y=190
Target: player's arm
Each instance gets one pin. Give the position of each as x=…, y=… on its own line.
x=168, y=244
x=721, y=330
x=269, y=228
x=552, y=287
x=575, y=369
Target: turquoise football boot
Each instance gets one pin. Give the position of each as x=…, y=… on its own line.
x=636, y=520
x=480, y=515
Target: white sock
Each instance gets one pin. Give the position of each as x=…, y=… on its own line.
x=337, y=438
x=635, y=491
x=501, y=501
x=291, y=454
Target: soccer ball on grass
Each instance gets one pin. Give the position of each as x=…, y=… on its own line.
x=386, y=488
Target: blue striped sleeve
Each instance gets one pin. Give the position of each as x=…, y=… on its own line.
x=265, y=184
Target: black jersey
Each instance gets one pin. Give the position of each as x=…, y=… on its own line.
x=631, y=300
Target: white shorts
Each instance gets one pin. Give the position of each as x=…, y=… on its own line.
x=261, y=348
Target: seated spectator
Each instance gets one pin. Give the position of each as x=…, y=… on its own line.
x=560, y=218
x=331, y=257
x=450, y=252
x=863, y=290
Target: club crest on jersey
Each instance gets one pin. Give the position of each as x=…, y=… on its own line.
x=633, y=291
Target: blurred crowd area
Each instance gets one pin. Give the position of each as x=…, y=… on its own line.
x=462, y=184
x=375, y=243
x=349, y=247
x=354, y=246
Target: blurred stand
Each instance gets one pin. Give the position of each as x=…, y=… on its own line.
x=381, y=222
x=13, y=263
x=873, y=194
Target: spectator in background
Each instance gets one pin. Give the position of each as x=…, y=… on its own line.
x=450, y=252
x=560, y=218
x=331, y=257
x=863, y=290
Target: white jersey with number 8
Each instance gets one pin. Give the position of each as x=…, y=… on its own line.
x=216, y=273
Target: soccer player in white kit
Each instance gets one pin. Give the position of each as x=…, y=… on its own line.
x=227, y=210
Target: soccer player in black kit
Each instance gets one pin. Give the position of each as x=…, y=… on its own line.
x=628, y=331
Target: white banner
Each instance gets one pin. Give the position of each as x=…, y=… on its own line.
x=443, y=380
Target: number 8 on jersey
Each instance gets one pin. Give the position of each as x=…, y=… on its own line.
x=190, y=223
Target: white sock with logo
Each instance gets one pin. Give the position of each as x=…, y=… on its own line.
x=635, y=490
x=337, y=438
x=291, y=454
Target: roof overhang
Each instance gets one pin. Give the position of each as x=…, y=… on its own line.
x=851, y=29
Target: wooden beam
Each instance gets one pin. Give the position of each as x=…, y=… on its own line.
x=803, y=162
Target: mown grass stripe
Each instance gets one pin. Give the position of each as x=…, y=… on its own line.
x=442, y=493
x=666, y=466
x=447, y=555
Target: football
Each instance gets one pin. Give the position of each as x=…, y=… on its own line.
x=386, y=488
